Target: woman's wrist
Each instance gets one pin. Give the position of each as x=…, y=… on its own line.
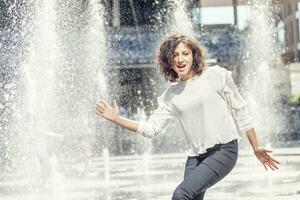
x=255, y=148
x=125, y=122
x=116, y=119
x=252, y=139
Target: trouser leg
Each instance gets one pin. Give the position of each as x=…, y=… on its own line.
x=197, y=182
x=200, y=196
x=191, y=164
x=202, y=174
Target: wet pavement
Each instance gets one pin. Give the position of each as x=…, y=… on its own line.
x=149, y=177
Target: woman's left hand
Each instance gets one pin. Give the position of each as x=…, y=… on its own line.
x=264, y=157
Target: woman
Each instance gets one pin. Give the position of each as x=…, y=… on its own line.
x=208, y=105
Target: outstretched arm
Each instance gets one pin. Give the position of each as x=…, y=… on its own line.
x=111, y=113
x=239, y=111
x=261, y=153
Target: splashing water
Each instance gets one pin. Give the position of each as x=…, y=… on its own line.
x=259, y=75
x=38, y=102
x=60, y=83
x=181, y=22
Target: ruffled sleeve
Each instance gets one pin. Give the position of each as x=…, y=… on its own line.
x=236, y=104
x=158, y=121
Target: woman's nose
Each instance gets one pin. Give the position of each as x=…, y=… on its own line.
x=180, y=58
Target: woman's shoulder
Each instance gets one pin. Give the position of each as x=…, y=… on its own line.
x=216, y=69
x=169, y=91
x=171, y=88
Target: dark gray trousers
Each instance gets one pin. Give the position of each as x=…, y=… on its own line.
x=203, y=171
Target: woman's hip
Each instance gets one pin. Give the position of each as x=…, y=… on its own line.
x=222, y=157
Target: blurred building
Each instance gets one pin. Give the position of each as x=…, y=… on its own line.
x=288, y=36
x=288, y=31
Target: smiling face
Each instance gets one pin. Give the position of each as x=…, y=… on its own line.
x=183, y=61
x=181, y=57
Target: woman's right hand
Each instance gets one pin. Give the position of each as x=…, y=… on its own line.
x=110, y=113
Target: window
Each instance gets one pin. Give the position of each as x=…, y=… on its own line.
x=141, y=12
x=298, y=30
x=244, y=16
x=217, y=15
x=280, y=37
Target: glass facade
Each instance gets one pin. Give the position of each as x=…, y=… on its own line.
x=142, y=12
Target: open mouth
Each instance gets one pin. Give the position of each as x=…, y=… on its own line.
x=181, y=66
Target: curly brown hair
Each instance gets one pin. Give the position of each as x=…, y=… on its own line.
x=166, y=51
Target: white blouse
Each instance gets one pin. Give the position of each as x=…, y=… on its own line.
x=206, y=107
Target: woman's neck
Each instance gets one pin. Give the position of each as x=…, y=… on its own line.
x=187, y=77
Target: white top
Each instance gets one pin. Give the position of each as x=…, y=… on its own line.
x=205, y=106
